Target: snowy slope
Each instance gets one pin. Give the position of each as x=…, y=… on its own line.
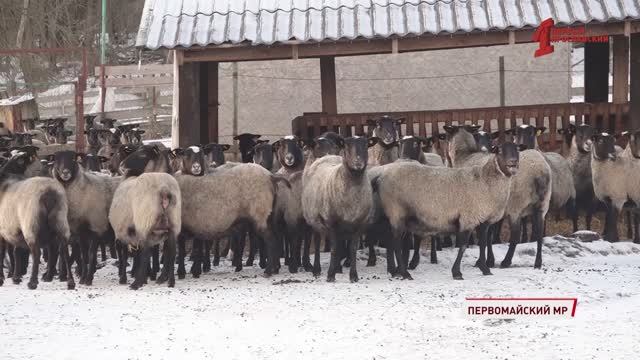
x=243, y=315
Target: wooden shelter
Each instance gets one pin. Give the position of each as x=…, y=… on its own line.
x=16, y=109
x=204, y=33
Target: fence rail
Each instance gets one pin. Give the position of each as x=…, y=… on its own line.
x=604, y=116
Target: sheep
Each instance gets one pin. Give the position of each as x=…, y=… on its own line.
x=240, y=196
x=92, y=162
x=615, y=177
x=328, y=143
x=246, y=142
x=563, y=191
x=89, y=197
x=116, y=158
x=214, y=154
x=288, y=209
x=530, y=190
x=131, y=134
x=468, y=198
x=388, y=131
x=337, y=199
x=33, y=214
x=146, y=212
x=109, y=141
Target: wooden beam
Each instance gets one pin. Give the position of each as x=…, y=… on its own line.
x=596, y=72
x=620, y=69
x=328, y=85
x=203, y=94
x=175, y=107
x=189, y=109
x=634, y=112
x=212, y=102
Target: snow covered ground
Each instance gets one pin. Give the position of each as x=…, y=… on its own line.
x=243, y=315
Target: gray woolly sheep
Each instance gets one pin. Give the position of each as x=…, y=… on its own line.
x=146, y=212
x=33, y=215
x=337, y=199
x=530, y=190
x=89, y=197
x=468, y=198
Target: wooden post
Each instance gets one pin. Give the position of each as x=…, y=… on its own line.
x=620, y=69
x=634, y=113
x=596, y=72
x=501, y=69
x=212, y=102
x=189, y=107
x=328, y=85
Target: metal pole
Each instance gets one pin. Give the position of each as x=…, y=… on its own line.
x=103, y=30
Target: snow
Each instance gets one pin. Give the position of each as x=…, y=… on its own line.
x=243, y=315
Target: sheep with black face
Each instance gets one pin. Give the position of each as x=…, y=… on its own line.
x=337, y=198
x=246, y=142
x=33, y=215
x=146, y=212
x=214, y=154
x=89, y=196
x=388, y=131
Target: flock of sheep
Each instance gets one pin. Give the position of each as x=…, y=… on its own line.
x=148, y=201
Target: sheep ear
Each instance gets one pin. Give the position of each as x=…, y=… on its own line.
x=262, y=141
x=472, y=128
x=372, y=141
x=225, y=147
x=442, y=136
x=140, y=132
x=276, y=145
x=510, y=131
x=494, y=135
x=624, y=134
x=340, y=143
x=51, y=157
x=450, y=129
x=177, y=151
x=540, y=130
x=494, y=149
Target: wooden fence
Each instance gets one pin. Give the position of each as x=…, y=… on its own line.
x=604, y=116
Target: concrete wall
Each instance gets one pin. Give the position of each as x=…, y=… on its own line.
x=271, y=94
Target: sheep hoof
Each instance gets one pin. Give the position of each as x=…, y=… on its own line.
x=413, y=265
x=457, y=277
x=307, y=267
x=196, y=276
x=537, y=266
x=316, y=271
x=486, y=272
x=135, y=286
x=262, y=264
x=46, y=277
x=152, y=276
x=88, y=282
x=293, y=268
x=491, y=263
x=17, y=281
x=238, y=268
x=206, y=266
x=123, y=281
x=171, y=283
x=162, y=278
x=505, y=264
x=331, y=278
x=338, y=269
x=371, y=261
x=63, y=278
x=406, y=276
x=71, y=286
x=1, y=282
x=216, y=261
x=354, y=278
x=32, y=285
x=249, y=262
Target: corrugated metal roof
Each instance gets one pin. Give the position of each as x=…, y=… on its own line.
x=171, y=23
x=15, y=100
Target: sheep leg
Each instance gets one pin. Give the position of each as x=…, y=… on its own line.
x=62, y=265
x=316, y=255
x=84, y=261
x=123, y=253
x=169, y=260
x=45, y=254
x=24, y=253
x=239, y=250
x=447, y=242
x=482, y=231
x=294, y=241
x=402, y=264
x=572, y=212
x=285, y=248
x=12, y=260
x=92, y=252
x=35, y=255
x=636, y=227
x=216, y=252
x=273, y=251
x=112, y=247
x=438, y=241
x=391, y=261
x=2, y=256
x=327, y=244
x=407, y=244
x=455, y=270
x=340, y=253
x=331, y=273
x=525, y=236
x=143, y=265
x=435, y=242
x=263, y=252
x=103, y=250
x=353, y=272
x=537, y=222
x=611, y=222
x=17, y=276
x=347, y=252
x=415, y=260
x=66, y=263
x=627, y=218
x=591, y=209
x=252, y=249
x=306, y=260
x=181, y=255
x=51, y=264
x=491, y=260
x=206, y=263
x=196, y=268
x=226, y=248
x=154, y=266
x=372, y=252
x=515, y=229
